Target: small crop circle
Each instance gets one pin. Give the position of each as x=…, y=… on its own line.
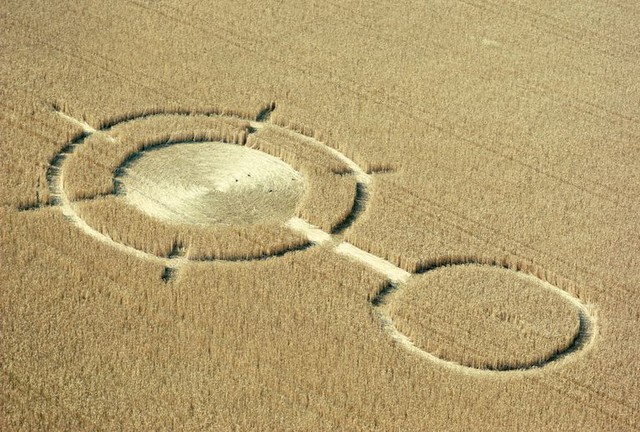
x=486, y=317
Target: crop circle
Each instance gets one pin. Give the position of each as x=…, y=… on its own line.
x=224, y=172
x=486, y=317
x=174, y=187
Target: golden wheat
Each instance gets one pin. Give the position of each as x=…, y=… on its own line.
x=126, y=224
x=488, y=175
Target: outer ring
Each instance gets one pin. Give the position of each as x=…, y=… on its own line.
x=55, y=176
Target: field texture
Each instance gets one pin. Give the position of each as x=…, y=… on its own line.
x=320, y=215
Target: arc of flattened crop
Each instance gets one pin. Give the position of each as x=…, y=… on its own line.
x=362, y=178
x=55, y=176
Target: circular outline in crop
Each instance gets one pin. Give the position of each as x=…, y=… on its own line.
x=315, y=236
x=583, y=339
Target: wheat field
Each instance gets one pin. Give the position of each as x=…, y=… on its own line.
x=412, y=216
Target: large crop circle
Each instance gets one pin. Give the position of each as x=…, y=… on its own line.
x=176, y=187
